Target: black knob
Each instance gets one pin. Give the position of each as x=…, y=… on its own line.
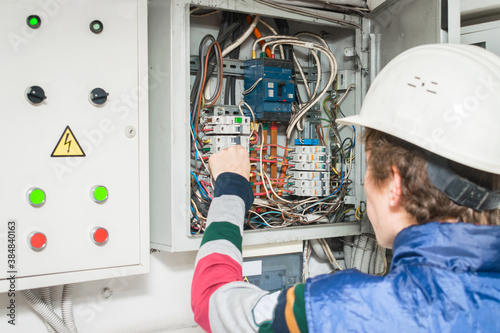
x=35, y=95
x=98, y=96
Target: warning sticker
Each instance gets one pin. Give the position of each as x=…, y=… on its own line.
x=68, y=146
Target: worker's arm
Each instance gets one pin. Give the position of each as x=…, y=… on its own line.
x=221, y=302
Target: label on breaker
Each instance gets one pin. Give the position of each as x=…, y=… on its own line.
x=218, y=143
x=310, y=175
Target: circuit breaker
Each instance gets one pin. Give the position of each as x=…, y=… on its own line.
x=74, y=175
x=270, y=88
x=307, y=171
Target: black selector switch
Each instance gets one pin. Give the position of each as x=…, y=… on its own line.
x=35, y=95
x=98, y=96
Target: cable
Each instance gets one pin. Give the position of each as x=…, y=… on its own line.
x=46, y=296
x=44, y=311
x=249, y=90
x=67, y=307
x=298, y=10
x=243, y=37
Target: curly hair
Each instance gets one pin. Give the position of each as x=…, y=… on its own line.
x=421, y=199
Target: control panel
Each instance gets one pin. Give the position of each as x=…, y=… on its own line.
x=74, y=173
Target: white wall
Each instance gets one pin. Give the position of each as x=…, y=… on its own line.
x=155, y=302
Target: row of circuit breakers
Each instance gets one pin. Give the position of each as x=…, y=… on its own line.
x=271, y=93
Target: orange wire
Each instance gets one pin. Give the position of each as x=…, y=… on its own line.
x=257, y=34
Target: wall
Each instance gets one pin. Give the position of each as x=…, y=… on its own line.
x=155, y=302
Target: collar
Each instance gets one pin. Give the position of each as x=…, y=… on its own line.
x=455, y=246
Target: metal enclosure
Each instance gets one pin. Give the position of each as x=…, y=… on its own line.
x=361, y=50
x=69, y=55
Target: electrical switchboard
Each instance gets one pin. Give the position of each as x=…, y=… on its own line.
x=74, y=172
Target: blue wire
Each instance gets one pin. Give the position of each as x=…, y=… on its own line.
x=354, y=142
x=202, y=191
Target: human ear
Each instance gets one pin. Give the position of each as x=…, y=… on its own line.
x=395, y=188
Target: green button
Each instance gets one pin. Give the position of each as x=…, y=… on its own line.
x=36, y=197
x=99, y=193
x=238, y=120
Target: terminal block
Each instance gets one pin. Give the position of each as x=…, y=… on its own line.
x=310, y=174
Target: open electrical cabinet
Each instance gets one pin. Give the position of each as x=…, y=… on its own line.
x=295, y=207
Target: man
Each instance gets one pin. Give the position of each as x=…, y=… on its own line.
x=432, y=185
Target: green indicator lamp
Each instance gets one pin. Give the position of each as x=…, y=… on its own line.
x=99, y=193
x=34, y=21
x=36, y=197
x=96, y=26
x=238, y=120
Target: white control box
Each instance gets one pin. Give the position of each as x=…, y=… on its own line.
x=74, y=194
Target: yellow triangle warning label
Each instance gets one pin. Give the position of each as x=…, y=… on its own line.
x=68, y=146
x=246, y=280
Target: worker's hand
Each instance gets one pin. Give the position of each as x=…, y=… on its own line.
x=233, y=159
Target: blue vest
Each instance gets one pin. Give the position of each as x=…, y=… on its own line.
x=445, y=277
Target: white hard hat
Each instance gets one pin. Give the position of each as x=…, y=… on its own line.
x=444, y=98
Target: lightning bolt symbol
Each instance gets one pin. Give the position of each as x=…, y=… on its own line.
x=66, y=142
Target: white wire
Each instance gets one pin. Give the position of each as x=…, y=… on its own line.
x=249, y=90
x=254, y=45
x=274, y=32
x=242, y=38
x=345, y=94
x=311, y=103
x=305, y=33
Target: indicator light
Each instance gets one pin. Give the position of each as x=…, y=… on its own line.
x=36, y=197
x=34, y=21
x=238, y=120
x=37, y=241
x=96, y=26
x=99, y=193
x=99, y=236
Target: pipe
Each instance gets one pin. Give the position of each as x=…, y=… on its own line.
x=44, y=311
x=67, y=307
x=45, y=294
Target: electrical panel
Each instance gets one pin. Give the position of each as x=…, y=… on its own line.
x=278, y=96
x=74, y=194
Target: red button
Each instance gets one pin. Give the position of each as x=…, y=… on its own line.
x=100, y=236
x=37, y=240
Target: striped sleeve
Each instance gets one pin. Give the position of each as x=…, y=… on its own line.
x=289, y=313
x=219, y=258
x=220, y=300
